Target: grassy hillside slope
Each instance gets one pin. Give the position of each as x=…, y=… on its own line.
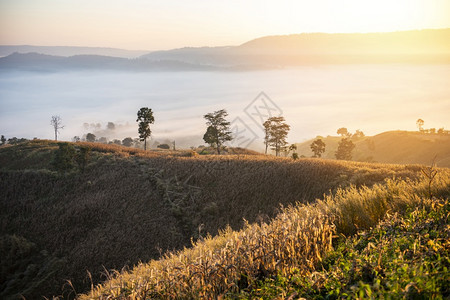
x=399, y=147
x=311, y=251
x=130, y=205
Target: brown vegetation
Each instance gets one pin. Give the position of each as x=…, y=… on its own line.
x=131, y=205
x=293, y=243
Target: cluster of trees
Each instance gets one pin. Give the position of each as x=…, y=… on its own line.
x=346, y=146
x=217, y=133
x=92, y=138
x=420, y=124
x=11, y=141
x=275, y=133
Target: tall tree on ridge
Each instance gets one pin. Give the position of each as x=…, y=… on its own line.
x=276, y=133
x=317, y=147
x=218, y=131
x=145, y=118
x=56, y=123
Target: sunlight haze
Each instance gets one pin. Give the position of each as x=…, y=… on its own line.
x=156, y=25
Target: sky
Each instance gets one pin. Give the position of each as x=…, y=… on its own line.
x=166, y=24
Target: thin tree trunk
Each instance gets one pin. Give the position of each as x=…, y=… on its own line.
x=145, y=144
x=56, y=134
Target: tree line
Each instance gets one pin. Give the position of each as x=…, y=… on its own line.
x=218, y=133
x=420, y=124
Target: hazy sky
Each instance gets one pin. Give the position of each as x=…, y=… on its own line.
x=164, y=24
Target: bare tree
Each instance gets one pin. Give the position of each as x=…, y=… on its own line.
x=56, y=123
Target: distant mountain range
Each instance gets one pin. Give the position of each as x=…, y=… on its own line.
x=50, y=63
x=70, y=51
x=419, y=46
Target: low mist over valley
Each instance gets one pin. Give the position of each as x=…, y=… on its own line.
x=223, y=150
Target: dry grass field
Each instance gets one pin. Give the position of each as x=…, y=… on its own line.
x=131, y=206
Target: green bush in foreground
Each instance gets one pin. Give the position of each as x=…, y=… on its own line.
x=401, y=258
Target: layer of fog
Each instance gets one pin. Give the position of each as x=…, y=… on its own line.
x=314, y=101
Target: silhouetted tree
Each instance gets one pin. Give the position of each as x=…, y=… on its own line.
x=15, y=141
x=419, y=124
x=163, y=146
x=218, y=131
x=90, y=137
x=344, y=150
x=3, y=140
x=128, y=142
x=103, y=140
x=277, y=131
x=56, y=123
x=317, y=147
x=293, y=148
x=117, y=142
x=111, y=126
x=76, y=139
x=358, y=134
x=343, y=132
x=145, y=118
x=12, y=141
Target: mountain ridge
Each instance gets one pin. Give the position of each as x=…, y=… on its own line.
x=430, y=46
x=6, y=50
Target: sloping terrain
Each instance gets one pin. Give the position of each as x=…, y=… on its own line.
x=416, y=46
x=312, y=251
x=130, y=206
x=394, y=147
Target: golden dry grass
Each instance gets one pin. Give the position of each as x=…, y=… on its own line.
x=132, y=205
x=295, y=240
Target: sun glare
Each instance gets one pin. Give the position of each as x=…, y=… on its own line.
x=348, y=16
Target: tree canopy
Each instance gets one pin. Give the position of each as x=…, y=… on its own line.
x=344, y=150
x=343, y=132
x=90, y=137
x=420, y=123
x=145, y=118
x=317, y=147
x=276, y=131
x=218, y=130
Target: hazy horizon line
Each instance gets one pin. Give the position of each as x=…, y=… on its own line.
x=216, y=46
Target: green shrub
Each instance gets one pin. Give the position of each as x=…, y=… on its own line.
x=64, y=157
x=82, y=157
